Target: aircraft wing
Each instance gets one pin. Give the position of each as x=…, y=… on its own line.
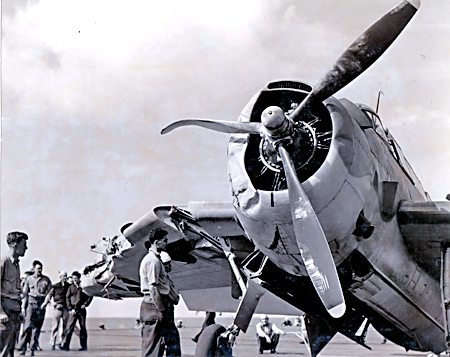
x=198, y=262
x=425, y=226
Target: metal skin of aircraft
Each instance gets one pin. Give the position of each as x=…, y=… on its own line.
x=327, y=218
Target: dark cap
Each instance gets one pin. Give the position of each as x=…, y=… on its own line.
x=155, y=234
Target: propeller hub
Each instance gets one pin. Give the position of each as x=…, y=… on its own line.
x=276, y=123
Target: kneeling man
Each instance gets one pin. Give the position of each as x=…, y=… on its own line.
x=268, y=335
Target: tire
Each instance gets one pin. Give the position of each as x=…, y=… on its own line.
x=209, y=344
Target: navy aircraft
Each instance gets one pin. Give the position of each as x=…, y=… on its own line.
x=327, y=217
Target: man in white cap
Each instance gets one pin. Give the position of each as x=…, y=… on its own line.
x=170, y=331
x=268, y=335
x=60, y=313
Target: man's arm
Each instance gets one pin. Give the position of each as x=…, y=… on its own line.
x=275, y=329
x=25, y=291
x=70, y=307
x=3, y=317
x=87, y=302
x=49, y=286
x=153, y=272
x=259, y=331
x=156, y=297
x=47, y=298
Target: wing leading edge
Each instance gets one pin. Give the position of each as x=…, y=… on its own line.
x=197, y=260
x=425, y=226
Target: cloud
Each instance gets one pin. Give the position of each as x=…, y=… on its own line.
x=12, y=7
x=87, y=87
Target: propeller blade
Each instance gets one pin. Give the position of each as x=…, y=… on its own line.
x=230, y=127
x=312, y=242
x=361, y=54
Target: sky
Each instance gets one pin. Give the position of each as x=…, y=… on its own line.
x=87, y=87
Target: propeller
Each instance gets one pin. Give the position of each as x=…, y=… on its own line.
x=361, y=54
x=309, y=235
x=279, y=129
x=312, y=242
x=230, y=127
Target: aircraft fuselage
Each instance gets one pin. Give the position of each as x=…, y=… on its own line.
x=362, y=172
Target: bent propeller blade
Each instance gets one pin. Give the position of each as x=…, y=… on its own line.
x=361, y=54
x=312, y=242
x=230, y=127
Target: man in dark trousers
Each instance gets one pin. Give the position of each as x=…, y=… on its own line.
x=210, y=319
x=268, y=335
x=170, y=331
x=58, y=293
x=10, y=290
x=156, y=289
x=35, y=289
x=76, y=301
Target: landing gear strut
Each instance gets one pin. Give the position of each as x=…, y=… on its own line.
x=252, y=291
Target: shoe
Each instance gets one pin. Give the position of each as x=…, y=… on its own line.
x=38, y=348
x=83, y=349
x=32, y=353
x=53, y=348
x=273, y=351
x=22, y=353
x=64, y=348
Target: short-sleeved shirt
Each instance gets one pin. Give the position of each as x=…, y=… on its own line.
x=37, y=287
x=58, y=292
x=10, y=278
x=76, y=298
x=152, y=272
x=269, y=329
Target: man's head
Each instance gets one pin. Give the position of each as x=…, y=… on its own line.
x=37, y=267
x=17, y=241
x=157, y=239
x=63, y=276
x=264, y=319
x=76, y=276
x=166, y=260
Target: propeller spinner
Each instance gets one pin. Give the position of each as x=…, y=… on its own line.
x=278, y=129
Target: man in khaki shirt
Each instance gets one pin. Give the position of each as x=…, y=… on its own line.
x=35, y=289
x=10, y=291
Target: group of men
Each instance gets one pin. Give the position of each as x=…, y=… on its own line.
x=24, y=302
x=27, y=301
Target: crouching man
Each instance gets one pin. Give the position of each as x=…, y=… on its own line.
x=268, y=335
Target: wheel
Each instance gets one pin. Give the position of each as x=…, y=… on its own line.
x=210, y=345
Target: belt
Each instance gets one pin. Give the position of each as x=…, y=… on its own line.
x=36, y=296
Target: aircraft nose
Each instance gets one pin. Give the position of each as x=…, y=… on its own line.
x=277, y=125
x=273, y=118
